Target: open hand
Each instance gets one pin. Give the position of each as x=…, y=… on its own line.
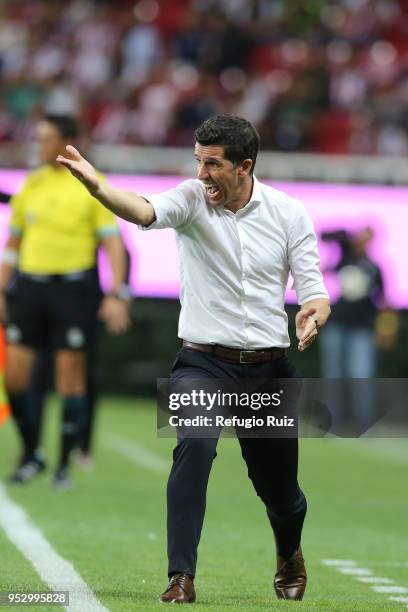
x=80, y=168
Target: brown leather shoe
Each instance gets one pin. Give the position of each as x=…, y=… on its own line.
x=180, y=590
x=290, y=578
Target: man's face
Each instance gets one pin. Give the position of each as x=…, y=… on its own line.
x=49, y=142
x=221, y=178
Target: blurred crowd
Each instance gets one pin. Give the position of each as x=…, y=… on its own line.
x=312, y=75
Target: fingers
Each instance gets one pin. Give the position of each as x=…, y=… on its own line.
x=115, y=316
x=64, y=161
x=304, y=344
x=307, y=330
x=116, y=326
x=307, y=338
x=303, y=331
x=310, y=327
x=305, y=314
x=72, y=167
x=75, y=154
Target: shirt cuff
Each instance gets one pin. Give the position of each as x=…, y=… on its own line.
x=313, y=292
x=158, y=215
x=112, y=230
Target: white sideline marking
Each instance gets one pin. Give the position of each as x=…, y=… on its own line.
x=393, y=449
x=375, y=580
x=339, y=562
x=355, y=571
x=55, y=571
x=129, y=449
x=389, y=589
x=362, y=574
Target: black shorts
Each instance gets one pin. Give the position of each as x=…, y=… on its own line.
x=58, y=313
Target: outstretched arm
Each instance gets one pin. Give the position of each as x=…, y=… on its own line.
x=124, y=204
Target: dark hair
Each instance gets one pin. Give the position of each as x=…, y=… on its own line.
x=238, y=137
x=66, y=125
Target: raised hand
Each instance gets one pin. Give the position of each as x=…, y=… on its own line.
x=80, y=168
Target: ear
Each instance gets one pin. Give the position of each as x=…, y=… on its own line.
x=245, y=167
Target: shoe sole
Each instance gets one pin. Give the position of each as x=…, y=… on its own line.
x=175, y=601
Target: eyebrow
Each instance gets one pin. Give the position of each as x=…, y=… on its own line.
x=207, y=159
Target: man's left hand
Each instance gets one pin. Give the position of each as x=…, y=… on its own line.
x=306, y=328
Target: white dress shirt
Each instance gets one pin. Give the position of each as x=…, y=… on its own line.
x=235, y=266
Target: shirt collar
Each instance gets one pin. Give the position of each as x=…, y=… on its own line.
x=255, y=199
x=256, y=195
x=253, y=202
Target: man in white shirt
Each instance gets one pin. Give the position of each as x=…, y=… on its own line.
x=238, y=240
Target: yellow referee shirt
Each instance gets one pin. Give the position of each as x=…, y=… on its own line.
x=59, y=221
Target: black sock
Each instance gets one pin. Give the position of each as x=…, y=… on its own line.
x=25, y=421
x=73, y=413
x=37, y=400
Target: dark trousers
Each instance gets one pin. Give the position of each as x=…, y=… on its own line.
x=272, y=467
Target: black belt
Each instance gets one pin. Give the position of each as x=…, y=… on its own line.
x=239, y=355
x=47, y=278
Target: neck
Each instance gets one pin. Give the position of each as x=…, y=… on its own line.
x=54, y=165
x=243, y=196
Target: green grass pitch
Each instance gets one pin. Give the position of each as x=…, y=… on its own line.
x=111, y=526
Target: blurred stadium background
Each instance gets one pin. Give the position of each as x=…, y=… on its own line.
x=326, y=84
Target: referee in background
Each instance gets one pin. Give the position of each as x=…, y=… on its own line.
x=54, y=299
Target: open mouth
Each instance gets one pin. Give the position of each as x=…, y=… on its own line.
x=213, y=191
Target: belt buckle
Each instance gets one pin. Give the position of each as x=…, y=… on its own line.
x=242, y=356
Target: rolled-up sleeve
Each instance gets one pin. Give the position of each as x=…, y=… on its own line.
x=173, y=208
x=304, y=258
